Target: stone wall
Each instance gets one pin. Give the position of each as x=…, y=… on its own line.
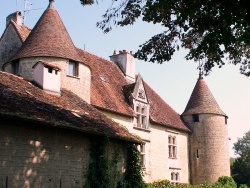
x=209, y=152
x=38, y=156
x=9, y=44
x=79, y=85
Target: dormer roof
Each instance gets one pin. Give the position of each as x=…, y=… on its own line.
x=49, y=38
x=202, y=101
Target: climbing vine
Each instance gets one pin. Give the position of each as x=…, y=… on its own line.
x=98, y=176
x=133, y=174
x=104, y=167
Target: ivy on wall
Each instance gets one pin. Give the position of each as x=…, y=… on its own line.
x=104, y=172
x=98, y=176
x=133, y=174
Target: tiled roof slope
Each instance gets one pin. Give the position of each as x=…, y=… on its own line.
x=202, y=101
x=21, y=99
x=161, y=112
x=107, y=82
x=109, y=90
x=49, y=38
x=22, y=31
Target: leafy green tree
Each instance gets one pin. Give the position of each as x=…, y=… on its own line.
x=214, y=31
x=241, y=166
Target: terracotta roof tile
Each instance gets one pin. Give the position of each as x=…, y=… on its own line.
x=110, y=90
x=202, y=101
x=46, y=64
x=49, y=38
x=161, y=113
x=22, y=31
x=20, y=99
x=107, y=83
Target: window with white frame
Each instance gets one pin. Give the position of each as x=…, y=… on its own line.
x=141, y=112
x=143, y=156
x=73, y=68
x=175, y=177
x=172, y=147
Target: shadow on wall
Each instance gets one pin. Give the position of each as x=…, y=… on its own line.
x=40, y=156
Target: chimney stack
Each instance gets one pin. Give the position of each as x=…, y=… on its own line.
x=16, y=17
x=126, y=63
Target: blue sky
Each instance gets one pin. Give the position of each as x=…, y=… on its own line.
x=173, y=80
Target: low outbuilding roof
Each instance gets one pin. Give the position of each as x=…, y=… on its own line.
x=22, y=100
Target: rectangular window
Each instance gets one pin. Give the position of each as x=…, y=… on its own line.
x=172, y=147
x=50, y=70
x=175, y=178
x=73, y=69
x=15, y=67
x=143, y=158
x=141, y=117
x=195, y=118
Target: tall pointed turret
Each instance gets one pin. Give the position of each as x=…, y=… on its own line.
x=209, y=152
x=50, y=42
x=202, y=100
x=49, y=38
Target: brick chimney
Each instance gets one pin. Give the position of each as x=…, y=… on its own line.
x=126, y=63
x=16, y=17
x=48, y=77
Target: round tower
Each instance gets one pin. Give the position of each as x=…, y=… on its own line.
x=209, y=154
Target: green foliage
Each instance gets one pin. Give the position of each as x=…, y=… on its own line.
x=226, y=182
x=243, y=186
x=241, y=166
x=223, y=182
x=160, y=184
x=211, y=30
x=98, y=176
x=133, y=174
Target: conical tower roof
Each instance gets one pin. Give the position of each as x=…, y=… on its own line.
x=202, y=101
x=49, y=38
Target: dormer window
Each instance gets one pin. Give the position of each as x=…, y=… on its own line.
x=141, y=116
x=73, y=69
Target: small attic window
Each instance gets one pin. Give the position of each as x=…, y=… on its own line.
x=196, y=118
x=50, y=70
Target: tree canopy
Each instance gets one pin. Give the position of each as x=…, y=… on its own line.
x=215, y=32
x=241, y=166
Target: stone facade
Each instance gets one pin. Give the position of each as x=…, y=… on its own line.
x=156, y=147
x=209, y=156
x=37, y=156
x=9, y=44
x=79, y=85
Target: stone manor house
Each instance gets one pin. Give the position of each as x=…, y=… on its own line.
x=56, y=99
